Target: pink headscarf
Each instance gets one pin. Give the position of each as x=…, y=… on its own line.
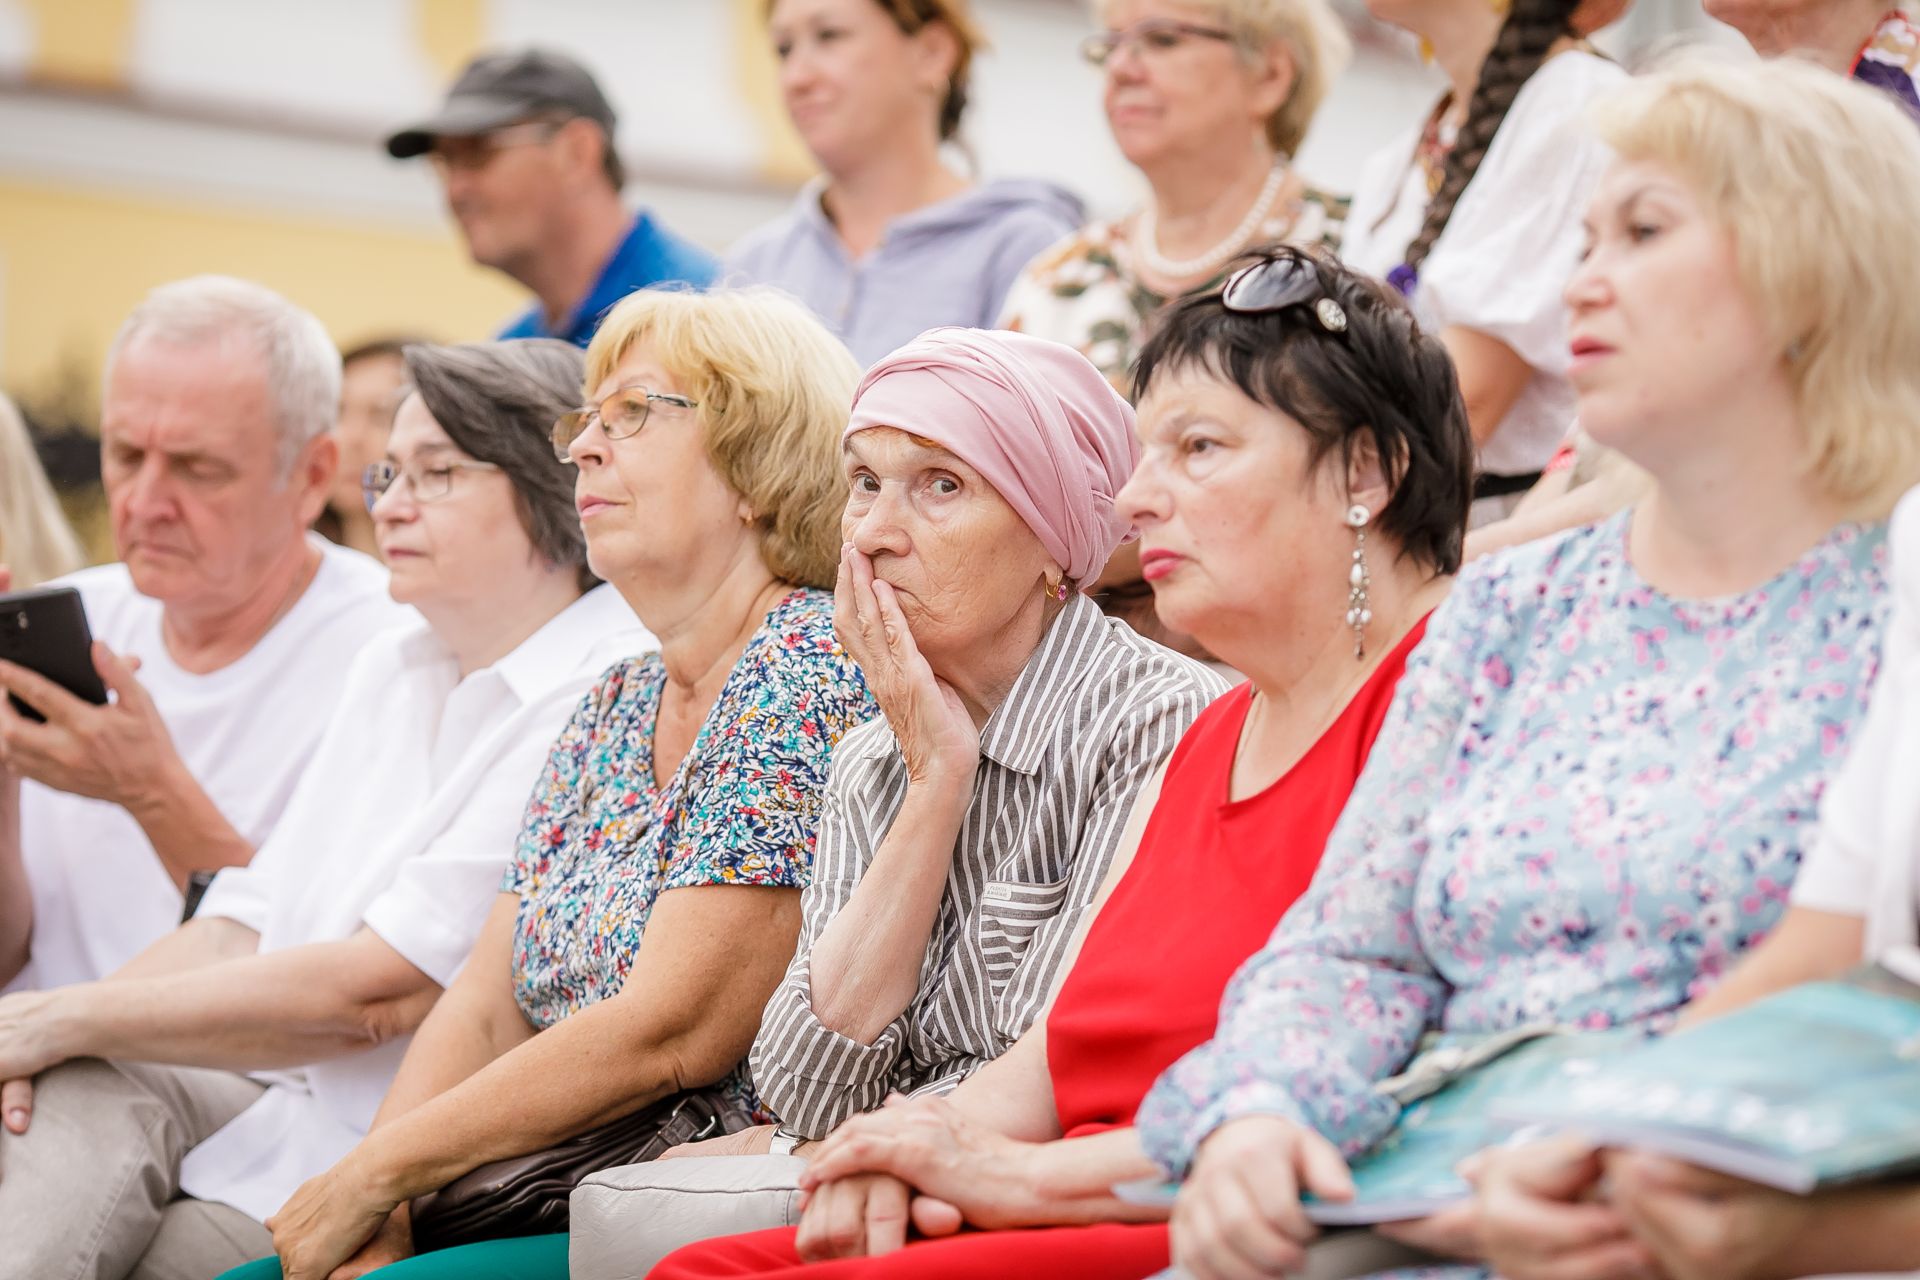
x=1033, y=417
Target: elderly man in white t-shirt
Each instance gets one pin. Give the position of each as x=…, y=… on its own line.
x=215, y=454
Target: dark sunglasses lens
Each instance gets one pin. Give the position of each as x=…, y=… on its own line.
x=1272, y=285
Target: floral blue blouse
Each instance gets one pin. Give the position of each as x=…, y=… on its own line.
x=1588, y=799
x=601, y=841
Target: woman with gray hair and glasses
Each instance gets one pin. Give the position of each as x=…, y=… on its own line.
x=152, y=1151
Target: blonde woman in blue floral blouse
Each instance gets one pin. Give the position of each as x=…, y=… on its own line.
x=654, y=900
x=1606, y=761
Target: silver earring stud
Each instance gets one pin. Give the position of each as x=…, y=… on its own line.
x=1358, y=612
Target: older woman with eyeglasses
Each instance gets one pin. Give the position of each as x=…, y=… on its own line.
x=1209, y=99
x=1301, y=379
x=151, y=1150
x=652, y=902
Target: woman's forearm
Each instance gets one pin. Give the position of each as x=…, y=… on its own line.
x=255, y=1012
x=576, y=1075
x=1867, y=1229
x=16, y=898
x=201, y=941
x=865, y=968
x=1073, y=1179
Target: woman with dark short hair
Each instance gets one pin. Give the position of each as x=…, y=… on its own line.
x=151, y=1150
x=1301, y=502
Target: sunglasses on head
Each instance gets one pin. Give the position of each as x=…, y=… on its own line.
x=1279, y=282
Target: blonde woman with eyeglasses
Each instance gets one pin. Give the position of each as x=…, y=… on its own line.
x=1209, y=100
x=36, y=542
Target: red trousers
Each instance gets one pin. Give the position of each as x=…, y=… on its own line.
x=1110, y=1251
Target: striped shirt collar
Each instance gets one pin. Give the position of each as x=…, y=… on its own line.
x=1018, y=732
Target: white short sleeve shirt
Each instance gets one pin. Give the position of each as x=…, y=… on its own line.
x=1503, y=262
x=404, y=822
x=100, y=894
x=1865, y=860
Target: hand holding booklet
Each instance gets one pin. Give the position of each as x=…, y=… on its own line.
x=1810, y=1087
x=1813, y=1086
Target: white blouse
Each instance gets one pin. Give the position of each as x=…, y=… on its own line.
x=403, y=823
x=1503, y=261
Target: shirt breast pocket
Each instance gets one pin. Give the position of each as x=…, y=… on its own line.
x=1011, y=912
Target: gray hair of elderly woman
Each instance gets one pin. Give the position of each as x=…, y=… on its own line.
x=301, y=365
x=497, y=402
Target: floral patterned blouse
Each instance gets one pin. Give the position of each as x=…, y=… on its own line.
x=1588, y=799
x=602, y=841
x=1083, y=291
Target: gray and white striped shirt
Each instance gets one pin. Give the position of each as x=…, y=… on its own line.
x=1088, y=721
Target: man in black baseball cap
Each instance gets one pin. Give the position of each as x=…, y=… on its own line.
x=524, y=149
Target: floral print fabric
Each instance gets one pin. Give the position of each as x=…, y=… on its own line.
x=1588, y=800
x=601, y=841
x=1083, y=291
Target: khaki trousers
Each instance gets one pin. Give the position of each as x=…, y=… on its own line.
x=92, y=1190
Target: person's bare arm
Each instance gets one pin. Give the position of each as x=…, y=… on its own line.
x=1806, y=946
x=16, y=896
x=1616, y=485
x=256, y=1012
x=201, y=941
x=708, y=960
x=1491, y=376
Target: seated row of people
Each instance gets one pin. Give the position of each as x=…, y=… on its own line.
x=1600, y=759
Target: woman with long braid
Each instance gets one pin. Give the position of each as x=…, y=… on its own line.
x=1475, y=215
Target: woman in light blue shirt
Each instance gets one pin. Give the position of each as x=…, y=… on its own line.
x=889, y=241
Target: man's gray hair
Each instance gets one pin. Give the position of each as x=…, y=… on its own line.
x=302, y=365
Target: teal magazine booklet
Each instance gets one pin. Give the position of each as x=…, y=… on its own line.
x=1816, y=1085
x=1447, y=1097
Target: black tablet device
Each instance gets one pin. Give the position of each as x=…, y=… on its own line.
x=46, y=631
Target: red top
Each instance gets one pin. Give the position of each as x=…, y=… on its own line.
x=1212, y=878
x=1210, y=881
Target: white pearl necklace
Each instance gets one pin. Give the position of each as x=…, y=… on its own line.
x=1146, y=241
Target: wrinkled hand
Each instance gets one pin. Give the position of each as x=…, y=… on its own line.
x=327, y=1222
x=927, y=1144
x=1701, y=1225
x=120, y=753
x=757, y=1141
x=859, y=1217
x=937, y=737
x=1239, y=1213
x=392, y=1243
x=1541, y=1219
x=29, y=1040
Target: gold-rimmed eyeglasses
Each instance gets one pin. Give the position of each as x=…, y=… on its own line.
x=1153, y=37
x=620, y=414
x=427, y=481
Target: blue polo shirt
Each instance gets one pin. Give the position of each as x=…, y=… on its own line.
x=649, y=255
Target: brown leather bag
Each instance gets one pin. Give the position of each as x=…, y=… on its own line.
x=527, y=1195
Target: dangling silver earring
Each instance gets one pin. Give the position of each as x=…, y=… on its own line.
x=1358, y=614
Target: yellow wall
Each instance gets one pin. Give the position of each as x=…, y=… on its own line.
x=73, y=262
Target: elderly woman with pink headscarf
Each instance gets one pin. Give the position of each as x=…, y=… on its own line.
x=967, y=829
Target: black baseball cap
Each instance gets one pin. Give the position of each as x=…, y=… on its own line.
x=502, y=88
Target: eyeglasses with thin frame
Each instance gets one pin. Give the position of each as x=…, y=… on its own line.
x=1281, y=280
x=620, y=414
x=469, y=155
x=1153, y=37
x=426, y=481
